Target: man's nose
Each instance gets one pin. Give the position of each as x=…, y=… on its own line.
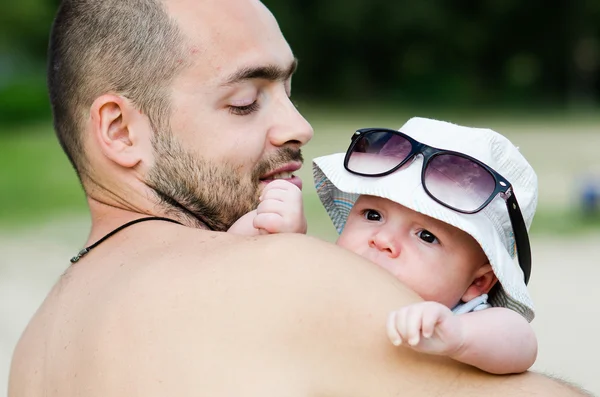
x=290, y=126
x=385, y=242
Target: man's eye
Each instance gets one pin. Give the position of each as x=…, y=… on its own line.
x=244, y=110
x=372, y=215
x=428, y=237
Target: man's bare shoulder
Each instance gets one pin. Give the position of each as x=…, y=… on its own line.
x=192, y=241
x=278, y=267
x=290, y=306
x=193, y=312
x=283, y=267
x=200, y=251
x=305, y=312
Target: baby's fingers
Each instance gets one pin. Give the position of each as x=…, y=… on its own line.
x=402, y=324
x=431, y=316
x=414, y=320
x=270, y=222
x=280, y=194
x=280, y=188
x=405, y=323
x=392, y=330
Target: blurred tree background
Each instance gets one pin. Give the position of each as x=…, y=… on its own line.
x=24, y=27
x=469, y=53
x=486, y=53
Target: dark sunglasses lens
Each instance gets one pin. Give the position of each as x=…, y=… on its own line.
x=458, y=182
x=378, y=152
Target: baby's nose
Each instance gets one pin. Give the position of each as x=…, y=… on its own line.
x=386, y=243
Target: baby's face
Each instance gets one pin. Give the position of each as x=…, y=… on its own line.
x=433, y=258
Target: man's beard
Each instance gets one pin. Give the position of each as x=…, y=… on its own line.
x=216, y=194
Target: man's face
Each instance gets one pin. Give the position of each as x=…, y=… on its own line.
x=233, y=127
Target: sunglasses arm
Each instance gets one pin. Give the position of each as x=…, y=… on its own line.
x=521, y=235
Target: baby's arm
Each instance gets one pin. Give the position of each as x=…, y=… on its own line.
x=496, y=340
x=280, y=211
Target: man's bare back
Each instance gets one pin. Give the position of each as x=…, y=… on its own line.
x=169, y=310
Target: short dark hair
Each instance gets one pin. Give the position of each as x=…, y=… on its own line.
x=127, y=47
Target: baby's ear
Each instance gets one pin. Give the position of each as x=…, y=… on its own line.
x=483, y=281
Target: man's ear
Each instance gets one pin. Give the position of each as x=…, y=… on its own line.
x=483, y=281
x=116, y=129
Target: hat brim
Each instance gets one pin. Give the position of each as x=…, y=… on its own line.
x=338, y=189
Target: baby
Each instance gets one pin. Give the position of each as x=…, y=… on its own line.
x=430, y=204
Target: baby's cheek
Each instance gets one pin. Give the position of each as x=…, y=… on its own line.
x=349, y=239
x=343, y=242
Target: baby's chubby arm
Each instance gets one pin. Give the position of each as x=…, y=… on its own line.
x=280, y=210
x=496, y=340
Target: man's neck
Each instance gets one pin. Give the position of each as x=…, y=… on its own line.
x=110, y=210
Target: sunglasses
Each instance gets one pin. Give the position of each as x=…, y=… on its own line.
x=454, y=180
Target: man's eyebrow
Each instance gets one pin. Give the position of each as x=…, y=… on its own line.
x=267, y=72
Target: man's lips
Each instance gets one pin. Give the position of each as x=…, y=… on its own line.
x=288, y=168
x=285, y=173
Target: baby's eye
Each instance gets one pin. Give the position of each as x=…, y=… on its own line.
x=372, y=215
x=428, y=237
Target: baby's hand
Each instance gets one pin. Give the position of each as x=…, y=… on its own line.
x=427, y=327
x=280, y=209
x=243, y=226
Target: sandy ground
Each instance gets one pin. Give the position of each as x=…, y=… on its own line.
x=563, y=288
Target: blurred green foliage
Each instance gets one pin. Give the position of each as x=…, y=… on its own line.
x=472, y=53
x=23, y=100
x=37, y=179
x=24, y=29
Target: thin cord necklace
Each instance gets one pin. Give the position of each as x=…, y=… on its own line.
x=84, y=251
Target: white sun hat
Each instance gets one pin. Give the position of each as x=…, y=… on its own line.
x=339, y=189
